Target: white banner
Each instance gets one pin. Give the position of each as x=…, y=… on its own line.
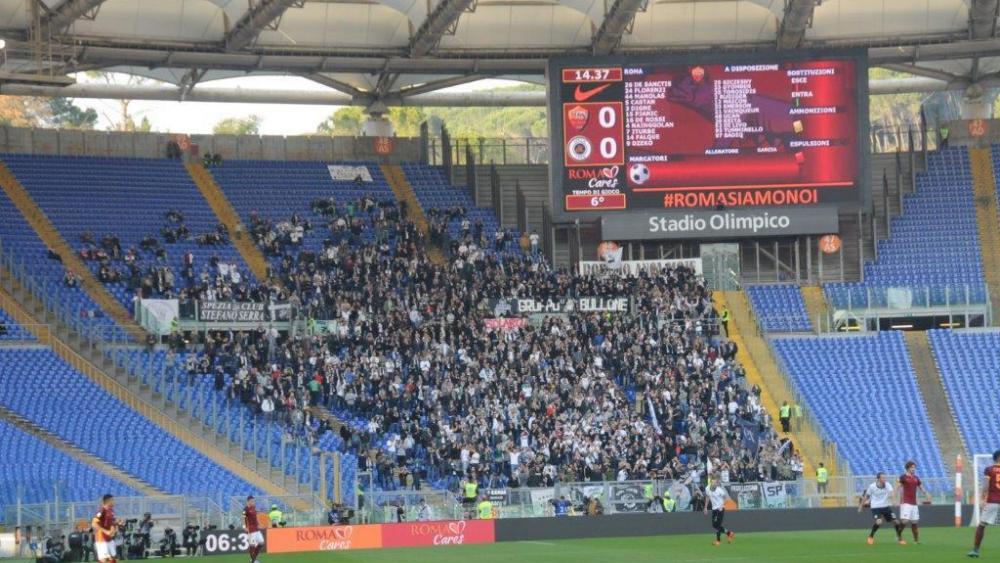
x=899, y=298
x=157, y=315
x=344, y=173
x=775, y=495
x=633, y=267
x=540, y=497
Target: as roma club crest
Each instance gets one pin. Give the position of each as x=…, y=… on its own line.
x=977, y=127
x=578, y=117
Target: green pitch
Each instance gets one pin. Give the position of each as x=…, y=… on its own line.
x=846, y=546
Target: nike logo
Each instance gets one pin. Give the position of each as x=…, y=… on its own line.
x=584, y=95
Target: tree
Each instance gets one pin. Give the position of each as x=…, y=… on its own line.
x=22, y=111
x=67, y=115
x=125, y=121
x=249, y=125
x=345, y=122
x=406, y=120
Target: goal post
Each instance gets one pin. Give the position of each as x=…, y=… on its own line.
x=979, y=464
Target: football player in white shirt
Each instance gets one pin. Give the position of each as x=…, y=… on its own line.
x=716, y=498
x=879, y=496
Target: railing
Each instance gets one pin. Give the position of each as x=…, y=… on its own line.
x=780, y=380
x=297, y=510
x=864, y=297
x=101, y=343
x=904, y=137
x=525, y=150
x=174, y=511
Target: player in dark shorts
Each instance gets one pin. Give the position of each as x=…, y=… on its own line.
x=879, y=496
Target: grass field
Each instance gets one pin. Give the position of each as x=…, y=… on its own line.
x=845, y=546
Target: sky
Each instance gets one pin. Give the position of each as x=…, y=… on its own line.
x=199, y=117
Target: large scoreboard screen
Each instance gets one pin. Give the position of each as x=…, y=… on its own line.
x=708, y=132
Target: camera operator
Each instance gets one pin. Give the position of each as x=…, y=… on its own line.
x=88, y=544
x=168, y=544
x=128, y=548
x=144, y=533
x=54, y=549
x=190, y=535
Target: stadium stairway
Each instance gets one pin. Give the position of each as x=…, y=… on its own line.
x=50, y=236
x=949, y=439
x=404, y=193
x=988, y=221
x=228, y=216
x=101, y=369
x=91, y=461
x=757, y=358
x=815, y=301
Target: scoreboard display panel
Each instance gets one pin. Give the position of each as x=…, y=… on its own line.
x=708, y=132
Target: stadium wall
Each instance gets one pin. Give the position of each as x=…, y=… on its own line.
x=447, y=533
x=637, y=525
x=154, y=145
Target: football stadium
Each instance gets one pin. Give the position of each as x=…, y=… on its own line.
x=499, y=280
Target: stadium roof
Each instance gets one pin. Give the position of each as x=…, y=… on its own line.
x=390, y=49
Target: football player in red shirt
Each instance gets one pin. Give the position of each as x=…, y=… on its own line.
x=105, y=529
x=990, y=513
x=909, y=512
x=252, y=526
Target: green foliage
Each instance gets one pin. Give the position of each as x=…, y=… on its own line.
x=67, y=115
x=345, y=122
x=462, y=122
x=249, y=125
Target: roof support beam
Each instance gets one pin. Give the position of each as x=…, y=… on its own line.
x=921, y=71
x=438, y=85
x=69, y=12
x=253, y=21
x=798, y=17
x=534, y=63
x=190, y=80
x=385, y=82
x=444, y=16
x=619, y=17
x=983, y=18
x=433, y=99
x=337, y=85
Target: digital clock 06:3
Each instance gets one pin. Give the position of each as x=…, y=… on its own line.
x=224, y=542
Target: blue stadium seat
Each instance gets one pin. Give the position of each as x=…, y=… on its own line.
x=864, y=394
x=933, y=246
x=38, y=385
x=779, y=308
x=125, y=197
x=22, y=245
x=11, y=331
x=35, y=472
x=969, y=362
x=433, y=191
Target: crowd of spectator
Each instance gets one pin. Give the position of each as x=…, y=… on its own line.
x=147, y=270
x=403, y=348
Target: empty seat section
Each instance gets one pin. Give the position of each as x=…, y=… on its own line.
x=779, y=308
x=969, y=363
x=933, y=246
x=70, y=405
x=864, y=394
x=35, y=472
x=11, y=331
